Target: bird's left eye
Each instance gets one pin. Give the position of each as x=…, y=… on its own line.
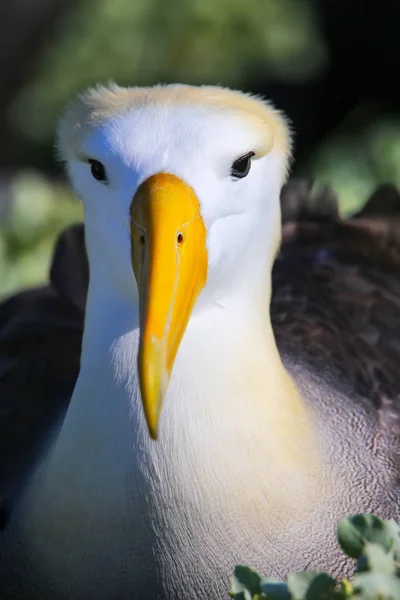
x=97, y=169
x=241, y=166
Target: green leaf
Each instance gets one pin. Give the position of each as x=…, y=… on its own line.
x=346, y=589
x=374, y=558
x=394, y=530
x=376, y=586
x=355, y=531
x=310, y=586
x=245, y=583
x=274, y=589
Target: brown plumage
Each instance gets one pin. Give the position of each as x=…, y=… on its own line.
x=40, y=343
x=336, y=302
x=337, y=294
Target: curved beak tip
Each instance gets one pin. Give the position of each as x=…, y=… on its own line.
x=152, y=425
x=153, y=433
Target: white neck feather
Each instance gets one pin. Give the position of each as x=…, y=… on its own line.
x=229, y=390
x=235, y=444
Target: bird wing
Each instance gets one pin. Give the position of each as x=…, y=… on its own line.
x=40, y=344
x=336, y=295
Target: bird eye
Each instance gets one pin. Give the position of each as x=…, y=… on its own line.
x=241, y=166
x=97, y=169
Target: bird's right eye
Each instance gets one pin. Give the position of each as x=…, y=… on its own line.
x=241, y=166
x=97, y=169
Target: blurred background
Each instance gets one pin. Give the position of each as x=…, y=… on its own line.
x=331, y=65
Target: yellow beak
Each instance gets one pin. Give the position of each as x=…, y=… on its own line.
x=169, y=258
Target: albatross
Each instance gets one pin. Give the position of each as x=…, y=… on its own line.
x=191, y=443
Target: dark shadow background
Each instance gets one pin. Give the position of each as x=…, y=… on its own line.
x=332, y=65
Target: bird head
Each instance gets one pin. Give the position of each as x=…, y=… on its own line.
x=180, y=187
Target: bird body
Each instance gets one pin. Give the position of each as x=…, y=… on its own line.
x=130, y=524
x=257, y=456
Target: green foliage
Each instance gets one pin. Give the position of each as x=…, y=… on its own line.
x=374, y=543
x=355, y=532
x=356, y=163
x=39, y=210
x=189, y=41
